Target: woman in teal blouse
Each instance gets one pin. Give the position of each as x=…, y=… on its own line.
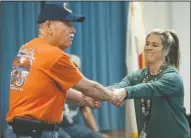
x=157, y=89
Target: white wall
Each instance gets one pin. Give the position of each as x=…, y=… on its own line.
x=155, y=15
x=176, y=16
x=181, y=24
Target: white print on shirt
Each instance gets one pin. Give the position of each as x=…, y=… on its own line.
x=21, y=68
x=69, y=114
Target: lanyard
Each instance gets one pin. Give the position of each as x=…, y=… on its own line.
x=146, y=105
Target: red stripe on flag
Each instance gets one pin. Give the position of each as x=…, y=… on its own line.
x=141, y=61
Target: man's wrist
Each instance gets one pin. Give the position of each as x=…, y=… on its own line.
x=82, y=100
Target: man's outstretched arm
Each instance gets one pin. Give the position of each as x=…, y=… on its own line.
x=93, y=89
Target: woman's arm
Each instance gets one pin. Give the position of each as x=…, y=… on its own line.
x=126, y=81
x=169, y=84
x=89, y=118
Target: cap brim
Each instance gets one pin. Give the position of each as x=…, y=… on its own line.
x=74, y=18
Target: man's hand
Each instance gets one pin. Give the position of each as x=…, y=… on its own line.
x=118, y=97
x=87, y=101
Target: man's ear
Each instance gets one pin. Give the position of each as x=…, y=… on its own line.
x=48, y=25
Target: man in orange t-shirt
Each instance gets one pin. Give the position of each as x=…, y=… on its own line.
x=43, y=76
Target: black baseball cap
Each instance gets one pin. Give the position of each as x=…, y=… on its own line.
x=58, y=12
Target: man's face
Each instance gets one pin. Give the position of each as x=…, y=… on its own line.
x=62, y=33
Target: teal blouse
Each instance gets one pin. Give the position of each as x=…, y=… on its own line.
x=168, y=115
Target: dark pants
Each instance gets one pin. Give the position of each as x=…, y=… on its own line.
x=78, y=131
x=45, y=134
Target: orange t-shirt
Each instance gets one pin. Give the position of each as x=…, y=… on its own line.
x=41, y=74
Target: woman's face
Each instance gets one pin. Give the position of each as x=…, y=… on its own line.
x=153, y=49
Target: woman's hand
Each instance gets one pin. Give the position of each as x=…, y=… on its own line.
x=120, y=95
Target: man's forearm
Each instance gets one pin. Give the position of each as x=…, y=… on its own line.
x=98, y=92
x=74, y=95
x=94, y=90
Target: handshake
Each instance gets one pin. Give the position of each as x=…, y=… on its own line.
x=117, y=97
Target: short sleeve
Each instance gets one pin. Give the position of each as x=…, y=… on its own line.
x=65, y=73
